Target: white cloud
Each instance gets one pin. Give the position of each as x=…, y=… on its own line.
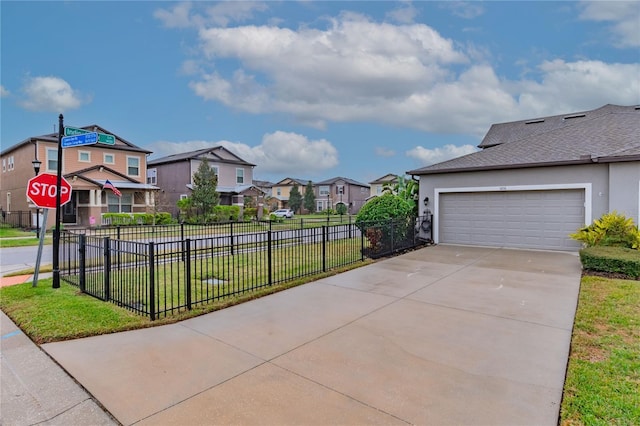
x=179, y=16
x=427, y=156
x=575, y=86
x=4, y=92
x=384, y=152
x=624, y=16
x=279, y=153
x=186, y=14
x=357, y=70
x=289, y=153
x=404, y=14
x=50, y=94
x=464, y=9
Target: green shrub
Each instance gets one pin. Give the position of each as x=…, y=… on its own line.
x=249, y=213
x=611, y=259
x=612, y=229
x=383, y=218
x=164, y=218
x=226, y=213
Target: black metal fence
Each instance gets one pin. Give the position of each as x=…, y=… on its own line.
x=18, y=219
x=161, y=277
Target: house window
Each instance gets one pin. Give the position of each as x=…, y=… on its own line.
x=84, y=156
x=133, y=166
x=183, y=196
x=108, y=159
x=10, y=165
x=324, y=190
x=239, y=175
x=340, y=189
x=379, y=189
x=215, y=170
x=52, y=160
x=4, y=165
x=8, y=201
x=152, y=176
x=279, y=191
x=320, y=205
x=121, y=204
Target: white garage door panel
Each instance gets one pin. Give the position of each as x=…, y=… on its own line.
x=522, y=219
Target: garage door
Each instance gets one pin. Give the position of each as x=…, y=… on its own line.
x=520, y=219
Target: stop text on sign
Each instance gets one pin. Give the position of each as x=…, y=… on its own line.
x=41, y=190
x=46, y=190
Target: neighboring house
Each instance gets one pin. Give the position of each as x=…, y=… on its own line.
x=174, y=175
x=536, y=181
x=331, y=192
x=282, y=189
x=378, y=185
x=86, y=168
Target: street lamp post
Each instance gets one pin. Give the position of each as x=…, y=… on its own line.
x=36, y=168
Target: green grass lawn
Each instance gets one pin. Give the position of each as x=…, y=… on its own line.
x=603, y=378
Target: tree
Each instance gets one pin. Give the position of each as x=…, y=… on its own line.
x=204, y=195
x=295, y=199
x=309, y=198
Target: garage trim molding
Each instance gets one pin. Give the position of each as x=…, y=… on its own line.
x=438, y=191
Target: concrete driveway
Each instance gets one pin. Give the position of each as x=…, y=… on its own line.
x=441, y=335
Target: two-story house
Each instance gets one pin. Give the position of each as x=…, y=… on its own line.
x=174, y=175
x=378, y=185
x=282, y=190
x=340, y=190
x=87, y=168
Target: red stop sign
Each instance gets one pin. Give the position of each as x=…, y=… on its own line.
x=42, y=191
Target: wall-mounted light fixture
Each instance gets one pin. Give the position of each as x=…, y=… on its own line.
x=426, y=201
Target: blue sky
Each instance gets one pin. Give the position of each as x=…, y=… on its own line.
x=307, y=89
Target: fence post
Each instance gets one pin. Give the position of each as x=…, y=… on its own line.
x=269, y=257
x=362, y=244
x=324, y=248
x=393, y=245
x=82, y=249
x=152, y=282
x=231, y=235
x=107, y=269
x=188, y=272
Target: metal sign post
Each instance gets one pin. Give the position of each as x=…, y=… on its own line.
x=39, y=256
x=56, y=232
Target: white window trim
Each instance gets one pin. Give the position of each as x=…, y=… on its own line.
x=104, y=158
x=80, y=160
x=11, y=164
x=4, y=165
x=139, y=165
x=237, y=176
x=588, y=201
x=53, y=151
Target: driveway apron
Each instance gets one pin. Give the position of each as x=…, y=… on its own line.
x=440, y=335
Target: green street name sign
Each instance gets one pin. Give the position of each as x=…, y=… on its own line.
x=102, y=137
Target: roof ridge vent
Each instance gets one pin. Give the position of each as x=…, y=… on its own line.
x=569, y=117
x=537, y=120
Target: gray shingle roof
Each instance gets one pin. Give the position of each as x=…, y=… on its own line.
x=347, y=180
x=609, y=137
x=516, y=130
x=218, y=154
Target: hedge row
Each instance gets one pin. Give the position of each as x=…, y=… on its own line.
x=612, y=259
x=161, y=218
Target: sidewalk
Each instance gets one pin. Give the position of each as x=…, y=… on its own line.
x=36, y=390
